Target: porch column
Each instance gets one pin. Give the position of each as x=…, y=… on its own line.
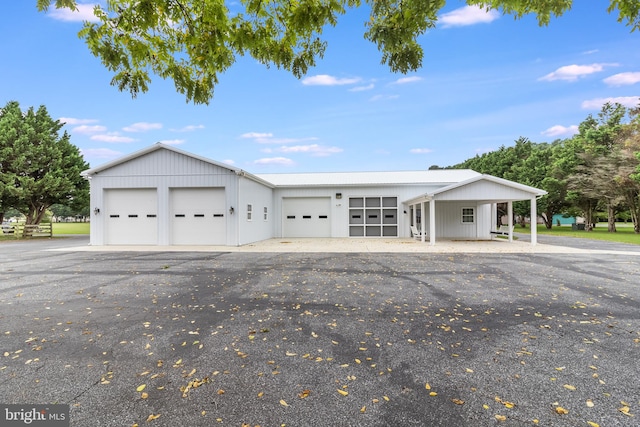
x=534, y=221
x=414, y=215
x=494, y=216
x=423, y=205
x=510, y=223
x=432, y=222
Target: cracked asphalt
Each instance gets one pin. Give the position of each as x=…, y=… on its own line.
x=321, y=339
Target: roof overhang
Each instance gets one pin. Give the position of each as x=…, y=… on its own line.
x=484, y=189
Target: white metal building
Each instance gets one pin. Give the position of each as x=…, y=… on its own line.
x=165, y=196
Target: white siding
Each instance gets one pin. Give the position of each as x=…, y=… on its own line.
x=492, y=190
x=259, y=197
x=163, y=170
x=340, y=207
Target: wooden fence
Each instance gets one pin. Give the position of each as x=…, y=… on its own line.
x=20, y=231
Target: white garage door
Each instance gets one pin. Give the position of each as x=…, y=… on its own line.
x=131, y=216
x=306, y=217
x=198, y=216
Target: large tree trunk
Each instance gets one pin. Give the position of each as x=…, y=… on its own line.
x=547, y=219
x=611, y=217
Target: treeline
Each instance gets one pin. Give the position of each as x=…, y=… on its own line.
x=38, y=166
x=596, y=170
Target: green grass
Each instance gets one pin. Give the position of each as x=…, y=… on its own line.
x=624, y=233
x=60, y=228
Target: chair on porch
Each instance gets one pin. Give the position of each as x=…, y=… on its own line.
x=416, y=233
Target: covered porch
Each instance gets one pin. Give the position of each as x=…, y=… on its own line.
x=468, y=210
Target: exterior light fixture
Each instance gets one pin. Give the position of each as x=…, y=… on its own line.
x=231, y=210
x=338, y=195
x=96, y=211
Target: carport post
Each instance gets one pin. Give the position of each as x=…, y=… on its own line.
x=423, y=206
x=510, y=222
x=432, y=222
x=534, y=221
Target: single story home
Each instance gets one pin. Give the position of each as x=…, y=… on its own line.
x=162, y=195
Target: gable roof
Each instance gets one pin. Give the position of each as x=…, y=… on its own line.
x=160, y=146
x=456, y=191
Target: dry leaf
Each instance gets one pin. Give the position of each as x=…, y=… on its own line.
x=501, y=418
x=304, y=394
x=427, y=386
x=458, y=401
x=141, y=387
x=433, y=393
x=153, y=417
x=283, y=403
x=592, y=424
x=625, y=410
x=569, y=387
x=343, y=392
x=561, y=411
x=590, y=403
x=363, y=409
x=144, y=395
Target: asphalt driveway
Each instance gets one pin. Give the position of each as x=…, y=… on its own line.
x=321, y=339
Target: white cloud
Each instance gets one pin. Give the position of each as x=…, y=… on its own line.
x=84, y=13
x=383, y=97
x=590, y=52
x=89, y=129
x=142, y=127
x=405, y=80
x=622, y=79
x=229, y=162
x=559, y=130
x=256, y=135
x=313, y=149
x=573, y=72
x=113, y=138
x=327, y=80
x=421, y=150
x=282, y=161
x=75, y=121
x=268, y=138
x=362, y=88
x=189, y=128
x=172, y=141
x=468, y=15
x=100, y=153
x=597, y=103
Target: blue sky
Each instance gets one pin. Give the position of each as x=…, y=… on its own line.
x=486, y=80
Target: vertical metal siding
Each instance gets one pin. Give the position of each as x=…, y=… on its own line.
x=259, y=196
x=162, y=170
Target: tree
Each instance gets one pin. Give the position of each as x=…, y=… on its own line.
x=39, y=167
x=601, y=169
x=193, y=41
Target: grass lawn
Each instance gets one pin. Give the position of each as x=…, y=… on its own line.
x=624, y=233
x=70, y=228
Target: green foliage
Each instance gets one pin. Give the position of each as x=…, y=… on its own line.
x=38, y=166
x=192, y=42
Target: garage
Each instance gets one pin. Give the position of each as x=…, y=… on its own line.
x=131, y=216
x=306, y=217
x=197, y=216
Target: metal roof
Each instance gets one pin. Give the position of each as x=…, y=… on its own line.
x=329, y=179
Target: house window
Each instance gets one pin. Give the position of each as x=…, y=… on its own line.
x=266, y=214
x=249, y=212
x=468, y=215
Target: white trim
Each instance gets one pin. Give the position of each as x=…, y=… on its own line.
x=473, y=215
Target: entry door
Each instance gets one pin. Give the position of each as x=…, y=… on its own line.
x=198, y=216
x=131, y=216
x=306, y=217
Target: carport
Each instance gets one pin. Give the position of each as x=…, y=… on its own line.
x=477, y=199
